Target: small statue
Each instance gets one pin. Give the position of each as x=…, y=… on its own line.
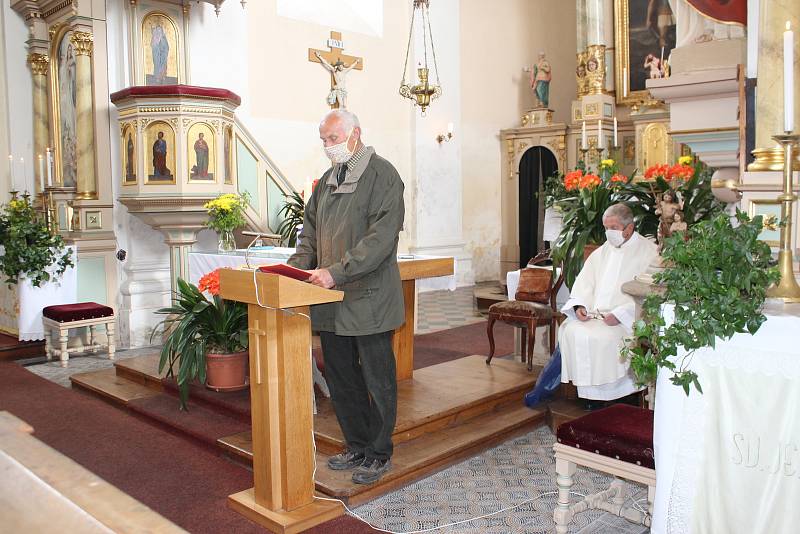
x=339, y=71
x=678, y=224
x=667, y=208
x=652, y=63
x=541, y=74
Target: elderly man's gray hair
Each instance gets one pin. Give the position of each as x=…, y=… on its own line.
x=347, y=118
x=622, y=213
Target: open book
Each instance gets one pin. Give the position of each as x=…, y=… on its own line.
x=285, y=270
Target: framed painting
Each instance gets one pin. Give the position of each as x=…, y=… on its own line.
x=160, y=138
x=644, y=32
x=63, y=91
x=227, y=154
x=770, y=209
x=129, y=158
x=202, y=153
x=628, y=150
x=161, y=50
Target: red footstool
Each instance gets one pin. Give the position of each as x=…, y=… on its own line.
x=63, y=317
x=617, y=440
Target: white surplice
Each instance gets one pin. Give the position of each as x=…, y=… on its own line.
x=590, y=350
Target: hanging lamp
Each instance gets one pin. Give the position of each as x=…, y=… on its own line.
x=422, y=93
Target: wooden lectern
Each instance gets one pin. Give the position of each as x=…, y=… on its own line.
x=282, y=498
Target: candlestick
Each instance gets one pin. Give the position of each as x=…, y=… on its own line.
x=787, y=289
x=788, y=79
x=615, y=132
x=41, y=172
x=584, y=145
x=600, y=141
x=49, y=168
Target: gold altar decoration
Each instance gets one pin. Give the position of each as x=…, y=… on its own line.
x=422, y=93
x=580, y=75
x=596, y=69
x=787, y=289
x=83, y=43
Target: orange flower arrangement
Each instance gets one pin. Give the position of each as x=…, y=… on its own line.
x=589, y=181
x=572, y=179
x=619, y=178
x=656, y=171
x=680, y=172
x=210, y=282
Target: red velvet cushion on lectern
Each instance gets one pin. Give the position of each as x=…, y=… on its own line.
x=620, y=431
x=66, y=313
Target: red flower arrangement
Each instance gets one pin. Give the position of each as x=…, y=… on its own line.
x=657, y=171
x=210, y=282
x=572, y=179
x=680, y=172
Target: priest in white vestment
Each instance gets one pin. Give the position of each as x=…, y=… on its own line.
x=599, y=315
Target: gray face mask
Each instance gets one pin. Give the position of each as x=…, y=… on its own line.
x=615, y=237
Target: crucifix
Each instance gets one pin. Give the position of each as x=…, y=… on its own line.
x=338, y=65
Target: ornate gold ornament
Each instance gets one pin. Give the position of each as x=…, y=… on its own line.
x=82, y=42
x=39, y=64
x=422, y=93
x=596, y=70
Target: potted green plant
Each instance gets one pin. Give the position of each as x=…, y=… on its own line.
x=292, y=213
x=29, y=247
x=206, y=339
x=226, y=214
x=715, y=278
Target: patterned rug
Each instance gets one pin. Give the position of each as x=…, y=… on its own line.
x=516, y=471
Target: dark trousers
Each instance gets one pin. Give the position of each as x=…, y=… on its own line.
x=360, y=371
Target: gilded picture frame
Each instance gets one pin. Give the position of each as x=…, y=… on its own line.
x=129, y=155
x=228, y=154
x=161, y=58
x=770, y=209
x=640, y=29
x=160, y=153
x=201, y=153
x=63, y=80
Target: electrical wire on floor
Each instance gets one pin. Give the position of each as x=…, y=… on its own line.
x=355, y=515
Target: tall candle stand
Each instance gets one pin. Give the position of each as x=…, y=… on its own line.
x=787, y=289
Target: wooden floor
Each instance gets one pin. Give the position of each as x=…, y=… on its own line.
x=446, y=413
x=13, y=349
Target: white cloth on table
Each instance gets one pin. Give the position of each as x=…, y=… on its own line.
x=729, y=460
x=21, y=304
x=590, y=350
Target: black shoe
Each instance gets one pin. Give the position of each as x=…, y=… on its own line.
x=348, y=459
x=371, y=470
x=590, y=405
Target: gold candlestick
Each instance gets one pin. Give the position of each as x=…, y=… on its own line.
x=787, y=289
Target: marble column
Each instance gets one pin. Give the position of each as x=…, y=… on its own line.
x=82, y=43
x=769, y=94
x=38, y=64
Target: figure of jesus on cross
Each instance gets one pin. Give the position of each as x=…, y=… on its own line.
x=337, y=64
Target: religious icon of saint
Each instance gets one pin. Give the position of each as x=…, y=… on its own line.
x=159, y=47
x=68, y=94
x=160, y=169
x=129, y=173
x=200, y=170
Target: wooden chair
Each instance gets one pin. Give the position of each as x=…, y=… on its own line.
x=617, y=440
x=528, y=315
x=62, y=318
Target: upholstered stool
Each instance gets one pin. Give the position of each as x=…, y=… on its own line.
x=617, y=440
x=63, y=317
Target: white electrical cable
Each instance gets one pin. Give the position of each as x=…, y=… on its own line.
x=258, y=301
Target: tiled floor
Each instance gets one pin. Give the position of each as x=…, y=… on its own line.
x=516, y=471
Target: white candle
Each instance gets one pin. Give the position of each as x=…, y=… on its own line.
x=661, y=61
x=583, y=136
x=24, y=174
x=788, y=79
x=616, y=144
x=41, y=172
x=597, y=20
x=625, y=82
x=600, y=141
x=49, y=168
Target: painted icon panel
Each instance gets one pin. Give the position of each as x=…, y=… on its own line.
x=202, y=152
x=128, y=155
x=66, y=85
x=160, y=45
x=160, y=138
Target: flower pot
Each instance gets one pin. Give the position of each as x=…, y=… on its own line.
x=227, y=372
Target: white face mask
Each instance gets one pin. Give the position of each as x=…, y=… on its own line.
x=615, y=238
x=339, y=153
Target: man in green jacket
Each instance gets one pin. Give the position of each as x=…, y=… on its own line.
x=349, y=240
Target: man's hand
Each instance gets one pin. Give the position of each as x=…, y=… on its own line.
x=580, y=312
x=322, y=278
x=610, y=319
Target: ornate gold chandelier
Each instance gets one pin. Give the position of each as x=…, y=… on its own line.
x=423, y=92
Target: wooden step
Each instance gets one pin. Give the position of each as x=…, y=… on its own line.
x=13, y=349
x=110, y=386
x=487, y=295
x=564, y=410
x=141, y=369
x=418, y=458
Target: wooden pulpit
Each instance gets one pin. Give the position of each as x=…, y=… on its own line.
x=282, y=498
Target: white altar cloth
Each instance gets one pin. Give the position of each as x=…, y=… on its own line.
x=21, y=305
x=729, y=460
